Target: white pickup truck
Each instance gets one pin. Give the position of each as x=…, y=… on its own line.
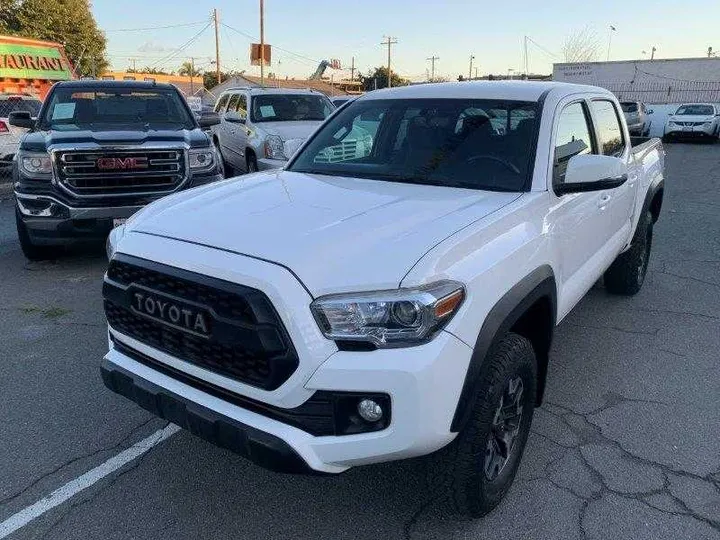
x=400, y=302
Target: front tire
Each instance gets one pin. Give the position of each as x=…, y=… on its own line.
x=252, y=165
x=474, y=472
x=32, y=252
x=626, y=274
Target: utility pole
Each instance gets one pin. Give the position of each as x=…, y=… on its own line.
x=527, y=62
x=432, y=66
x=470, y=70
x=192, y=75
x=352, y=69
x=262, y=42
x=133, y=63
x=389, y=41
x=652, y=54
x=217, y=45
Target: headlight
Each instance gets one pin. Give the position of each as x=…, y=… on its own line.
x=274, y=147
x=202, y=159
x=112, y=240
x=35, y=163
x=396, y=318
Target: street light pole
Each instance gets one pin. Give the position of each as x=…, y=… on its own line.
x=470, y=70
x=610, y=33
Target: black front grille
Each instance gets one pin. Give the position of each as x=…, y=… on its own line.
x=247, y=340
x=117, y=172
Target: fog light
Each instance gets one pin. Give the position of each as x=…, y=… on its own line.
x=369, y=410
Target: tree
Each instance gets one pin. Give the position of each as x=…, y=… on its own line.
x=582, y=46
x=210, y=78
x=152, y=71
x=187, y=70
x=380, y=75
x=69, y=22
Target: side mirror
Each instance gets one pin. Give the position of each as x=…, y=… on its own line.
x=649, y=111
x=235, y=117
x=21, y=119
x=209, y=119
x=590, y=172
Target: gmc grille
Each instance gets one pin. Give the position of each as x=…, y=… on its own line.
x=248, y=342
x=118, y=172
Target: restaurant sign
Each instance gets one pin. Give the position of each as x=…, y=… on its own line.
x=33, y=62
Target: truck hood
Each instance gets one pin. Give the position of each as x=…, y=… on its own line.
x=41, y=141
x=336, y=234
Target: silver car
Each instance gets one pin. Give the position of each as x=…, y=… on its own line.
x=260, y=128
x=636, y=117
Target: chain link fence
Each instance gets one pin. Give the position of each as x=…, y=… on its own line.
x=671, y=91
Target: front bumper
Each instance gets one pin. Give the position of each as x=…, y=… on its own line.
x=52, y=219
x=423, y=384
x=696, y=132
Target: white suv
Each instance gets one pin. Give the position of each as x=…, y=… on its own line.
x=260, y=128
x=693, y=121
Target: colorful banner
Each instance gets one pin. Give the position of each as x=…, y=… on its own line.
x=32, y=62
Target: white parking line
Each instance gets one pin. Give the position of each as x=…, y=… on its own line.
x=72, y=488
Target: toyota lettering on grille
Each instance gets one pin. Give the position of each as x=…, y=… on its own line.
x=120, y=164
x=178, y=315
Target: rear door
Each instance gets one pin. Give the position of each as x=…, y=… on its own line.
x=230, y=149
x=615, y=205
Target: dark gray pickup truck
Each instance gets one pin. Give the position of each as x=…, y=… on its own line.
x=97, y=152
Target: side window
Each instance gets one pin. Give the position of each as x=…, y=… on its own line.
x=573, y=138
x=242, y=105
x=232, y=104
x=222, y=102
x=608, y=128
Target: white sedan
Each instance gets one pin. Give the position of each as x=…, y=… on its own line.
x=694, y=120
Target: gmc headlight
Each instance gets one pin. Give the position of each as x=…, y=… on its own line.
x=35, y=163
x=395, y=318
x=202, y=159
x=274, y=147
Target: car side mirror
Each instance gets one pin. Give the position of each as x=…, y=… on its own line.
x=21, y=119
x=235, y=117
x=649, y=111
x=591, y=172
x=209, y=119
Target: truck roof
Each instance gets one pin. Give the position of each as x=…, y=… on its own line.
x=511, y=90
x=100, y=84
x=272, y=90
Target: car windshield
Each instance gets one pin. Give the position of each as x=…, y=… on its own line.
x=289, y=107
x=629, y=107
x=469, y=143
x=10, y=104
x=699, y=110
x=116, y=108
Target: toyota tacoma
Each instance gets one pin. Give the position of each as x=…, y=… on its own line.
x=397, y=302
x=97, y=152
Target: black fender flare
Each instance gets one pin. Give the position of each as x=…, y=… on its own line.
x=501, y=318
x=657, y=185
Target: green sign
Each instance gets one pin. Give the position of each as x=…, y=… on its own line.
x=32, y=62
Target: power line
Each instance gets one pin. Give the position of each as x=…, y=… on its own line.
x=182, y=47
x=531, y=40
x=156, y=27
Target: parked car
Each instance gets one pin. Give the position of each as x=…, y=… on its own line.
x=694, y=121
x=636, y=116
x=10, y=135
x=397, y=303
x=260, y=128
x=97, y=152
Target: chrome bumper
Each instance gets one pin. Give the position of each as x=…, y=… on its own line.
x=46, y=206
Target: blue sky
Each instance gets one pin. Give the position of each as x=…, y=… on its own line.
x=450, y=29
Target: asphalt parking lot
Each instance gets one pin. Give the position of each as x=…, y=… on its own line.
x=627, y=445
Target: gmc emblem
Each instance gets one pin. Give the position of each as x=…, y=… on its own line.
x=128, y=163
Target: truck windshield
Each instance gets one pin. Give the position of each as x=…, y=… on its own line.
x=629, y=107
x=289, y=107
x=700, y=110
x=115, y=108
x=468, y=143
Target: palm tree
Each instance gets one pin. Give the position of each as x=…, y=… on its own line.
x=187, y=70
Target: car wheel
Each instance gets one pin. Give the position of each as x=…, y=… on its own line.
x=627, y=273
x=473, y=473
x=252, y=165
x=32, y=251
x=226, y=169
